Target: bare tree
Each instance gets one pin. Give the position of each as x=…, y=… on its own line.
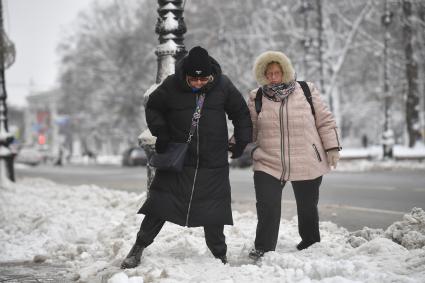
x=109, y=59
x=107, y=62
x=412, y=100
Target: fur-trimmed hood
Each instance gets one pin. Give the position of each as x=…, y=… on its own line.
x=267, y=57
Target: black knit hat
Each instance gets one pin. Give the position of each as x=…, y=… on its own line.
x=197, y=63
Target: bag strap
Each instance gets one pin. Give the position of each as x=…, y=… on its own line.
x=307, y=94
x=196, y=115
x=258, y=100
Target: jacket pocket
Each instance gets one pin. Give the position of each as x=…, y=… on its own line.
x=317, y=153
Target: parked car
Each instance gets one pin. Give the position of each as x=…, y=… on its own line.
x=29, y=156
x=245, y=160
x=134, y=156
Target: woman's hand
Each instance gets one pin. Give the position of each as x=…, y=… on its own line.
x=333, y=157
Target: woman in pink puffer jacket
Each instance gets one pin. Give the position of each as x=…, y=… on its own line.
x=293, y=144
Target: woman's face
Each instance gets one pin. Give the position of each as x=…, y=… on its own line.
x=274, y=73
x=197, y=82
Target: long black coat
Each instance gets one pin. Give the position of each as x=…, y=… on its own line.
x=184, y=198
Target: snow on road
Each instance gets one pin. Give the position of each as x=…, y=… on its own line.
x=91, y=229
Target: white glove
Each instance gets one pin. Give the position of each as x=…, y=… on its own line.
x=333, y=157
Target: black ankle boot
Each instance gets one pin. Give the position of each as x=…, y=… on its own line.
x=223, y=259
x=303, y=245
x=256, y=254
x=133, y=258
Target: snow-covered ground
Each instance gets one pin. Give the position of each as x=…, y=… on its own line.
x=369, y=159
x=378, y=165
x=91, y=229
x=375, y=152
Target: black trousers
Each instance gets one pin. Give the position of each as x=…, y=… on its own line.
x=214, y=236
x=268, y=192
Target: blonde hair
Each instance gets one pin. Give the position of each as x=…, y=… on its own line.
x=271, y=63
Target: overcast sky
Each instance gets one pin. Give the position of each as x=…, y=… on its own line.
x=35, y=27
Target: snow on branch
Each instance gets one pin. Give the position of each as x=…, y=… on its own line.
x=349, y=41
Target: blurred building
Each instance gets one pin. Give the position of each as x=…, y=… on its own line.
x=16, y=123
x=42, y=121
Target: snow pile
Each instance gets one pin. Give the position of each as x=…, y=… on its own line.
x=409, y=233
x=41, y=217
x=91, y=230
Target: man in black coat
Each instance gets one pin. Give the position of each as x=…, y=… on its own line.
x=200, y=194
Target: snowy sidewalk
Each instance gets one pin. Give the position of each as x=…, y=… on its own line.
x=88, y=231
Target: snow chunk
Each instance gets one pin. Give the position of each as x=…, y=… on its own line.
x=361, y=237
x=410, y=232
x=146, y=137
x=123, y=278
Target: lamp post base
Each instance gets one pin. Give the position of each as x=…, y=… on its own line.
x=6, y=171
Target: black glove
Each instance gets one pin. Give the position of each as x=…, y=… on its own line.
x=236, y=149
x=161, y=145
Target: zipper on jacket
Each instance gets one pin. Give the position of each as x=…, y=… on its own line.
x=196, y=172
x=289, y=145
x=282, y=144
x=317, y=153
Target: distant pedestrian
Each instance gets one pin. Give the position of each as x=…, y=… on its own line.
x=90, y=155
x=364, y=141
x=200, y=194
x=297, y=141
x=59, y=158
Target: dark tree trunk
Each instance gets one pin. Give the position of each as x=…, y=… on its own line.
x=412, y=101
x=421, y=43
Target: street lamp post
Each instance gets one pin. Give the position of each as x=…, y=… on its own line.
x=7, y=57
x=170, y=27
x=388, y=134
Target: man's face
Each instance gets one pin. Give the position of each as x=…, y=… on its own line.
x=197, y=82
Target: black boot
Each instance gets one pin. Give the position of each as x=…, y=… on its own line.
x=304, y=245
x=223, y=259
x=256, y=254
x=133, y=258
